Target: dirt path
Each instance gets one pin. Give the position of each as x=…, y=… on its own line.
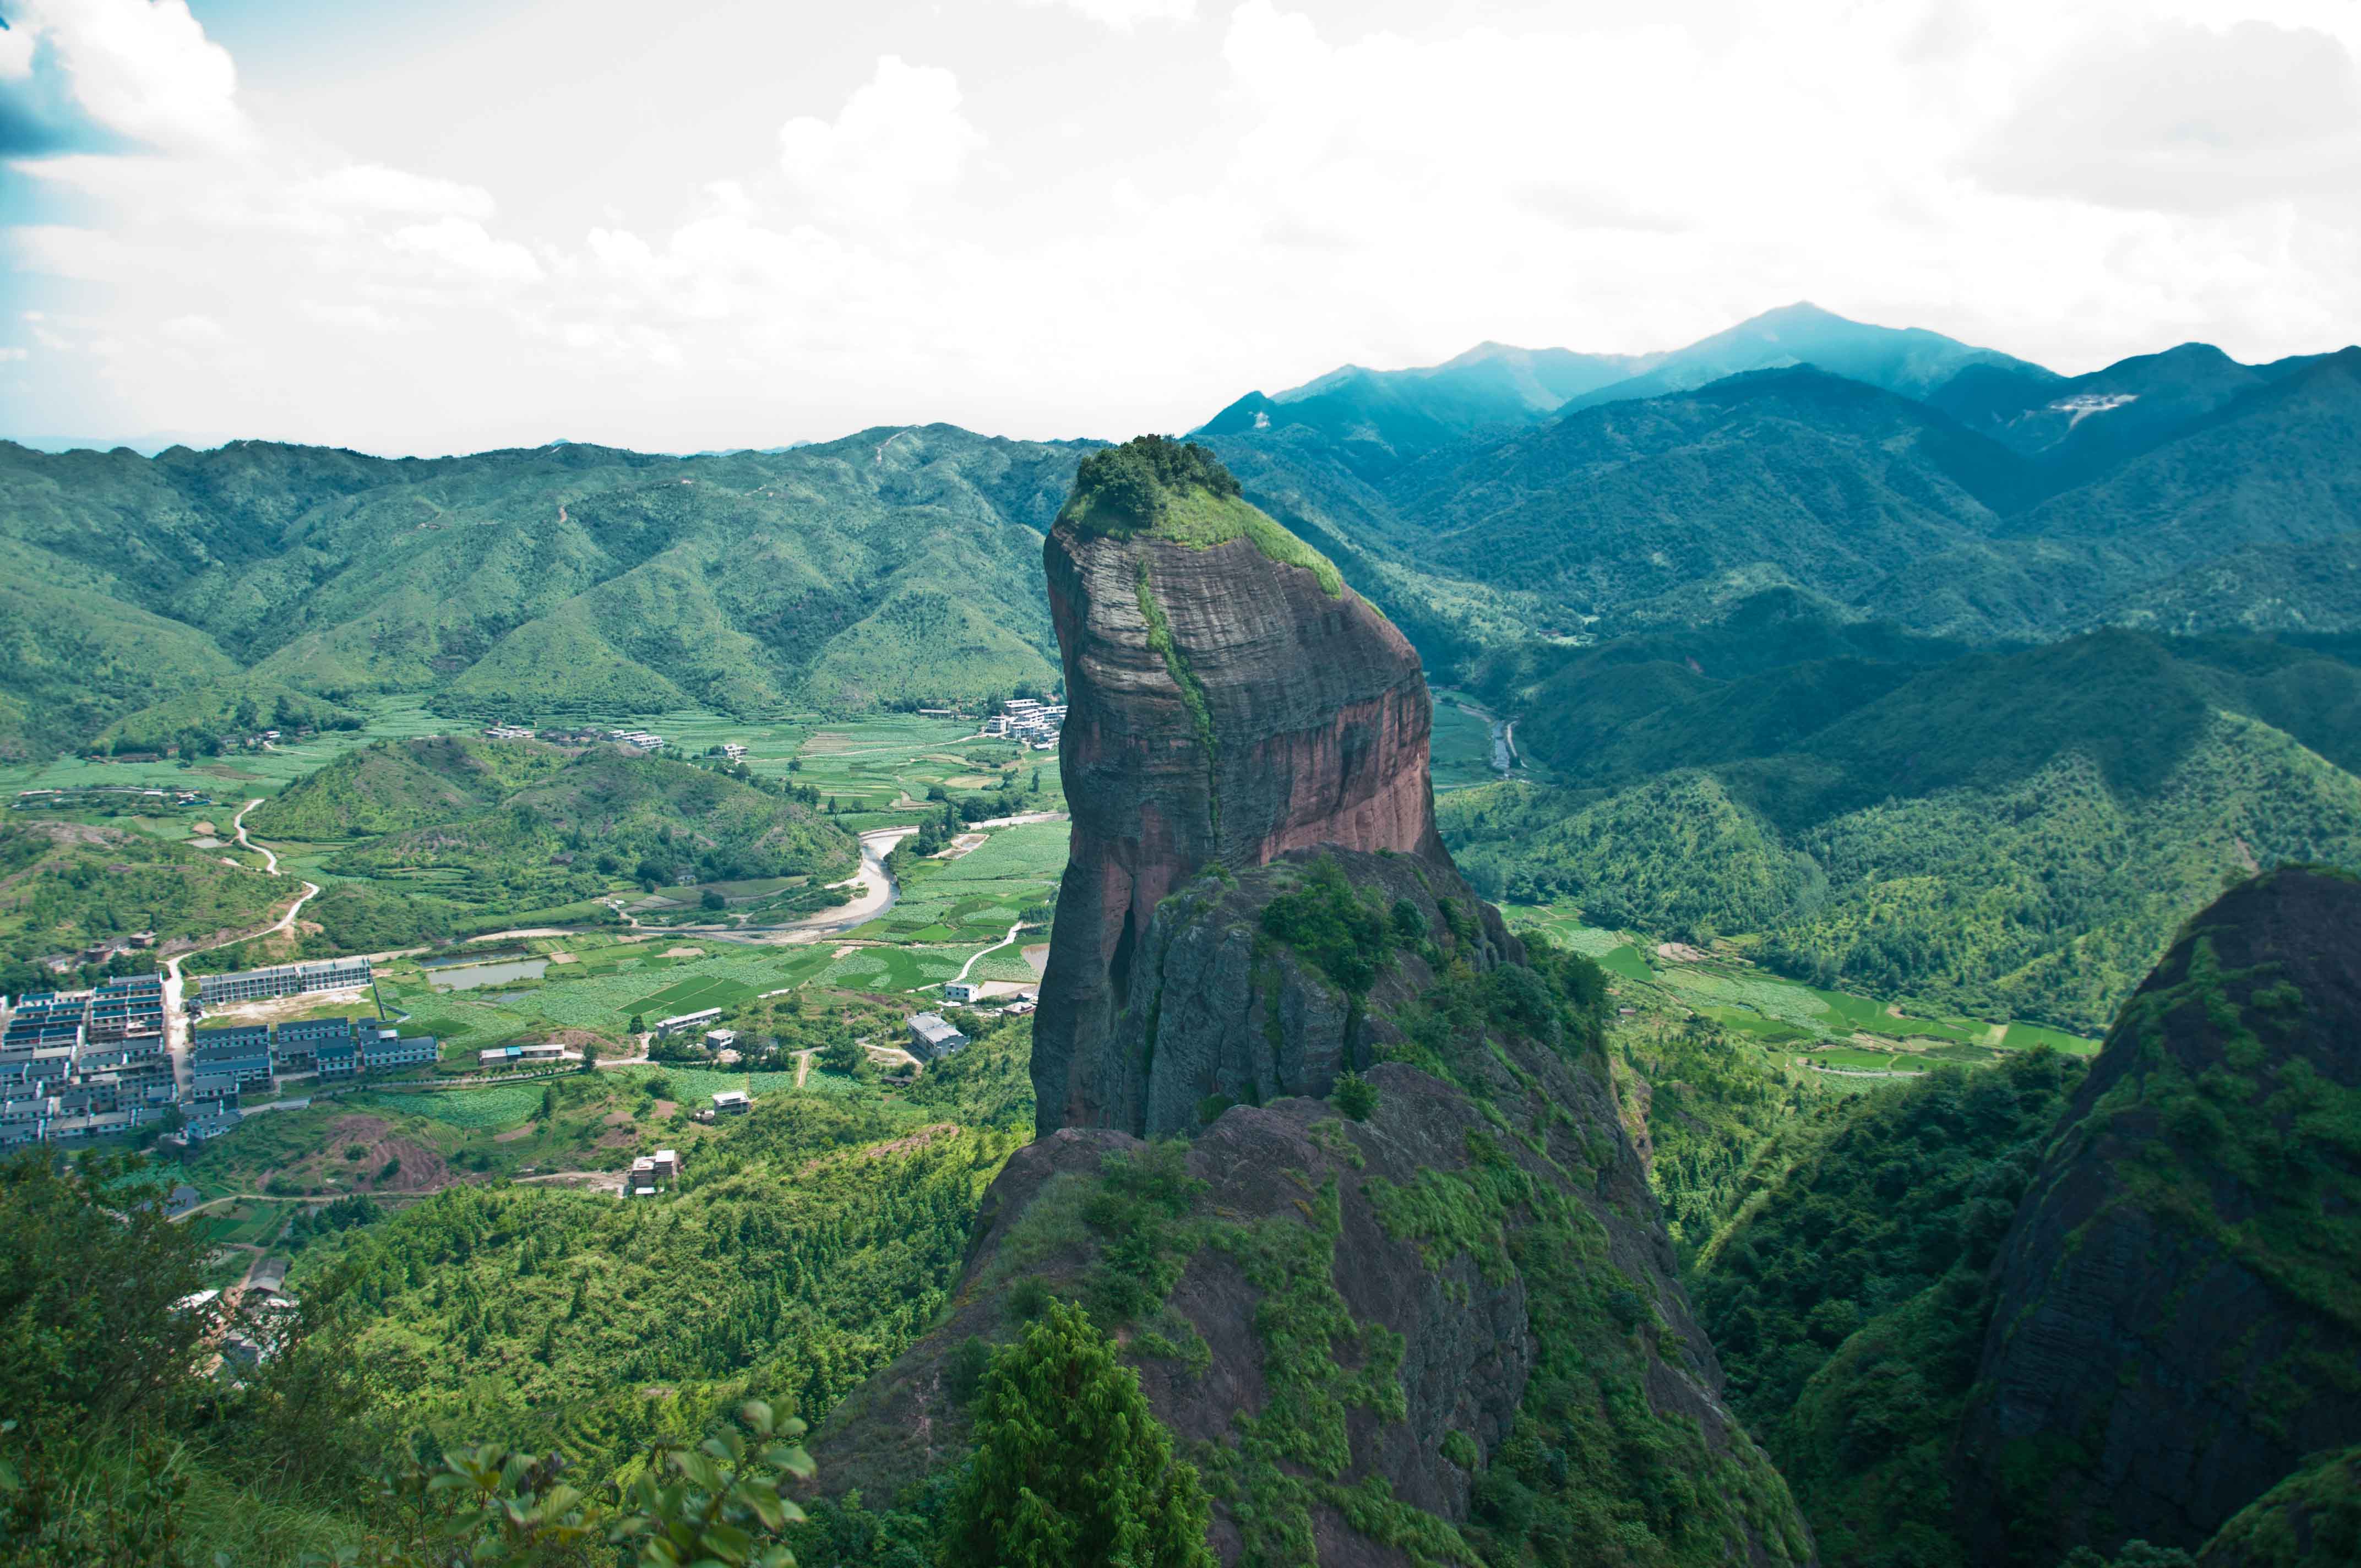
x=975, y=958
x=803, y=1066
x=1021, y=819
x=238, y=829
x=596, y=1181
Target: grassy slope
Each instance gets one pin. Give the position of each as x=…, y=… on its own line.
x=64, y=886
x=541, y=844
x=397, y=784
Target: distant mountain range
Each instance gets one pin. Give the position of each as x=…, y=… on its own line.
x=1509, y=496
x=1897, y=473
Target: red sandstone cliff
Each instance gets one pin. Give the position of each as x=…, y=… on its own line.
x=1222, y=706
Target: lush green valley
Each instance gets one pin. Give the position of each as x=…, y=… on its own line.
x=2009, y=833
x=1881, y=717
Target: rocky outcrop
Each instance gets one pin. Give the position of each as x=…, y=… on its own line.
x=1441, y=1333
x=1431, y=1318
x=2176, y=1324
x=2312, y=1520
x=1227, y=702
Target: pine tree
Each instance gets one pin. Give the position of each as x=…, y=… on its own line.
x=1070, y=1464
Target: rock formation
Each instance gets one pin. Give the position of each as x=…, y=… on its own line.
x=1437, y=1320
x=1229, y=699
x=1453, y=1325
x=2175, y=1327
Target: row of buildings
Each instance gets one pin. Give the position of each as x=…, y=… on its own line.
x=91, y=1063
x=283, y=979
x=224, y=1063
x=1029, y=722
x=85, y=1064
x=645, y=739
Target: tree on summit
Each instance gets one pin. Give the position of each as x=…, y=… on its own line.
x=1132, y=480
x=1070, y=1466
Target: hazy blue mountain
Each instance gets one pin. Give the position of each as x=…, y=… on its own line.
x=1908, y=361
x=1378, y=419
x=1833, y=484
x=2088, y=423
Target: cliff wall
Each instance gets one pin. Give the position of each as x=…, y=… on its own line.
x=1222, y=706
x=2175, y=1327
x=1448, y=1331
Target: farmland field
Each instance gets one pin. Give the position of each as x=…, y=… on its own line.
x=1460, y=753
x=1767, y=1007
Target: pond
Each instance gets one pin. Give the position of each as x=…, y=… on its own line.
x=471, y=976
x=473, y=956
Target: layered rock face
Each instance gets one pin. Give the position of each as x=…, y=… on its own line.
x=1356, y=1328
x=1222, y=706
x=2176, y=1325
x=1437, y=1320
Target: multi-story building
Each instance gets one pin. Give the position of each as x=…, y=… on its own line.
x=294, y=1046
x=384, y=1048
x=242, y=1055
x=283, y=979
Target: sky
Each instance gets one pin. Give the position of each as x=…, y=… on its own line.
x=438, y=226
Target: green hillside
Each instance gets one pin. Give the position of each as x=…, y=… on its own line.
x=1848, y=1300
x=2011, y=835
x=73, y=661
x=607, y=817
x=64, y=885
x=897, y=565
x=392, y=786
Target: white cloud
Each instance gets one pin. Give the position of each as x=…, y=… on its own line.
x=1125, y=14
x=359, y=318
x=901, y=134
x=15, y=53
x=139, y=68
x=463, y=248
x=2187, y=118
x=13, y=354
x=374, y=188
x=195, y=331
x=1246, y=207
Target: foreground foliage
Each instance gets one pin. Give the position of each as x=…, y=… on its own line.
x=1071, y=1466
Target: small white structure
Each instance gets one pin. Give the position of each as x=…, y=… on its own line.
x=667, y=1027
x=721, y=1039
x=732, y=1102
x=959, y=991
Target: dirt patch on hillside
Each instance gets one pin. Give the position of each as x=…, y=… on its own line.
x=684, y=953
x=1679, y=953
x=421, y=1167
x=907, y=1144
